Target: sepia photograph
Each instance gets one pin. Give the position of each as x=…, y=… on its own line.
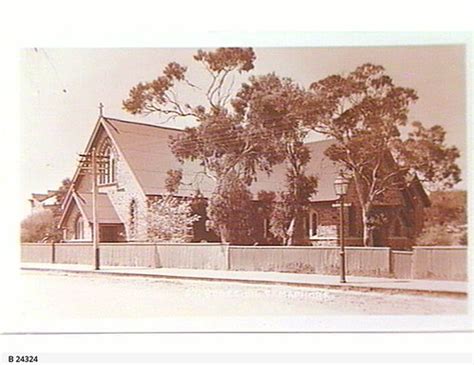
x=240, y=182
x=243, y=182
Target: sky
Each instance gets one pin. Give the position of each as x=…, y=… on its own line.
x=61, y=89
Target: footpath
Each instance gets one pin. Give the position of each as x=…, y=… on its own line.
x=356, y=283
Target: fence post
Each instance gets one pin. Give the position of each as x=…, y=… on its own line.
x=53, y=252
x=227, y=257
x=390, y=261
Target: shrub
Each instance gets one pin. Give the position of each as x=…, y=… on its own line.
x=170, y=219
x=39, y=227
x=229, y=212
x=447, y=207
x=463, y=239
x=437, y=235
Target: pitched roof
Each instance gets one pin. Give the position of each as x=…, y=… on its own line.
x=39, y=196
x=146, y=149
x=319, y=165
x=416, y=185
x=42, y=197
x=106, y=213
x=52, y=200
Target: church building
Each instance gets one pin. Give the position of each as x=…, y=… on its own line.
x=138, y=158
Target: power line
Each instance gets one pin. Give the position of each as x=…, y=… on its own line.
x=37, y=50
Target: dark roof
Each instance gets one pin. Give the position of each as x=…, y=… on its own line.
x=41, y=197
x=146, y=150
x=106, y=213
x=416, y=185
x=325, y=169
x=319, y=165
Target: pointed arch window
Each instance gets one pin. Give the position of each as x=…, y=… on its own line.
x=313, y=223
x=266, y=228
x=107, y=171
x=79, y=228
x=397, y=228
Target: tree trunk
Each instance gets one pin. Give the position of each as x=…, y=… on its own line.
x=290, y=233
x=366, y=234
x=232, y=235
x=296, y=236
x=225, y=234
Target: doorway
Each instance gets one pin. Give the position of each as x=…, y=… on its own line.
x=111, y=233
x=378, y=237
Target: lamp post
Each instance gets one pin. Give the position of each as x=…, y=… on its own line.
x=341, y=185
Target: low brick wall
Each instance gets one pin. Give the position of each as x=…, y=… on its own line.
x=36, y=252
x=73, y=253
x=284, y=259
x=368, y=261
x=140, y=254
x=128, y=254
x=401, y=264
x=440, y=263
x=320, y=259
x=212, y=256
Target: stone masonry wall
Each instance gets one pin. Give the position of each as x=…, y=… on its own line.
x=128, y=189
x=69, y=233
x=393, y=206
x=121, y=193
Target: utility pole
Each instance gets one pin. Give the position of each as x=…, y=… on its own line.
x=95, y=221
x=342, y=253
x=93, y=164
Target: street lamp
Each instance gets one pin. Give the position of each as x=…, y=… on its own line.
x=341, y=184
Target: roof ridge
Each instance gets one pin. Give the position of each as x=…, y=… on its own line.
x=182, y=129
x=90, y=193
x=141, y=123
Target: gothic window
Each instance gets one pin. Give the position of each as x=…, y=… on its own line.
x=108, y=163
x=397, y=228
x=79, y=228
x=266, y=228
x=352, y=217
x=306, y=224
x=313, y=224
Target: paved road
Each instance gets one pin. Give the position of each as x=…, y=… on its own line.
x=364, y=283
x=78, y=296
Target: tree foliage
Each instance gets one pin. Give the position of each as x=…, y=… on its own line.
x=170, y=219
x=242, y=129
x=229, y=211
x=445, y=219
x=63, y=190
x=447, y=208
x=158, y=96
x=173, y=180
x=281, y=107
x=426, y=153
x=43, y=225
x=39, y=227
x=367, y=116
x=230, y=145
